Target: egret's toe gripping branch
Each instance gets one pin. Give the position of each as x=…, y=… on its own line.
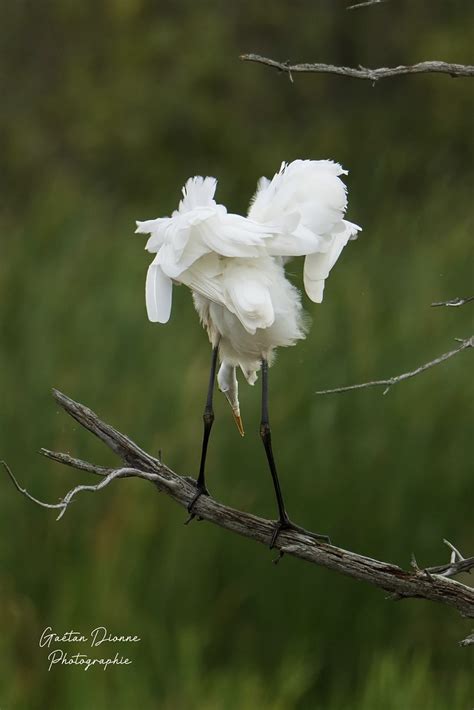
x=432, y=583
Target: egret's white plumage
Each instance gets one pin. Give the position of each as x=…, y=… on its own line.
x=234, y=265
x=199, y=227
x=306, y=200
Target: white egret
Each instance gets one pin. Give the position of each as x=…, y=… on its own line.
x=234, y=266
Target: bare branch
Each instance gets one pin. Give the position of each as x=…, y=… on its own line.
x=373, y=75
x=465, y=343
x=467, y=641
x=116, y=473
x=75, y=463
x=457, y=564
x=455, y=554
x=64, y=503
x=399, y=583
x=453, y=569
x=24, y=492
x=117, y=442
x=458, y=301
x=365, y=4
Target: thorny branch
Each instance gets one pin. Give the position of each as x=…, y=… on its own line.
x=389, y=382
x=365, y=73
x=433, y=583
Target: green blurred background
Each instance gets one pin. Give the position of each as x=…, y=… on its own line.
x=106, y=109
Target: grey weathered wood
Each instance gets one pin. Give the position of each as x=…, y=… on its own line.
x=390, y=381
x=120, y=444
x=398, y=582
x=467, y=641
x=454, y=302
x=365, y=4
x=364, y=73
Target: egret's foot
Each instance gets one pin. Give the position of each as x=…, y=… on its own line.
x=286, y=524
x=201, y=491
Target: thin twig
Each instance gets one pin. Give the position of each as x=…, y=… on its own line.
x=75, y=463
x=389, y=382
x=399, y=583
x=365, y=4
x=116, y=473
x=467, y=641
x=452, y=569
x=458, y=301
x=24, y=492
x=112, y=474
x=457, y=565
x=365, y=73
x=455, y=554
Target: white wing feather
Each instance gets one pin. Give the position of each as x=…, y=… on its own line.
x=158, y=294
x=243, y=287
x=204, y=278
x=225, y=257
x=248, y=296
x=305, y=202
x=317, y=266
x=200, y=226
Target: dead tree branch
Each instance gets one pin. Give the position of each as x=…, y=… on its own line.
x=389, y=382
x=458, y=301
x=456, y=565
x=373, y=75
x=365, y=4
x=434, y=583
x=467, y=641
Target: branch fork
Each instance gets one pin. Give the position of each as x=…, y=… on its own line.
x=433, y=583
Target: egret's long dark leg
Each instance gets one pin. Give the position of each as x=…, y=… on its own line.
x=208, y=418
x=266, y=434
x=284, y=523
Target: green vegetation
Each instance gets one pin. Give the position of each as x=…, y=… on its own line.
x=107, y=108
